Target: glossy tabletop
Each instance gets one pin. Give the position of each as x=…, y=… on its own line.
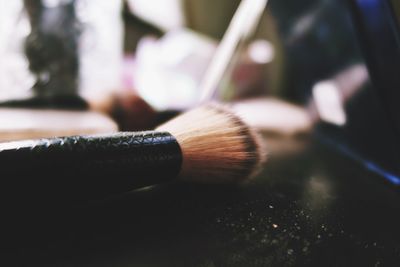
x=313, y=207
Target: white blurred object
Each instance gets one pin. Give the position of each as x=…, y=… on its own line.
x=15, y=78
x=330, y=96
x=168, y=71
x=165, y=14
x=101, y=45
x=329, y=102
x=16, y=124
x=274, y=116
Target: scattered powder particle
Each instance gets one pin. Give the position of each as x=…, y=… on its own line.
x=274, y=225
x=290, y=251
x=271, y=207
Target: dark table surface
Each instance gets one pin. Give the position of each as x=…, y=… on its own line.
x=313, y=207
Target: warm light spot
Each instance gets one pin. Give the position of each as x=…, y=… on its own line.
x=261, y=51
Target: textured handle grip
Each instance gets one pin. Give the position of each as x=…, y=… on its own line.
x=90, y=165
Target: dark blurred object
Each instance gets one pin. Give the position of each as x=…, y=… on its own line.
x=320, y=43
x=374, y=115
x=57, y=50
x=130, y=111
x=54, y=43
x=52, y=51
x=379, y=33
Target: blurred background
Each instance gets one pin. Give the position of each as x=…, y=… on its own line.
x=80, y=66
x=318, y=78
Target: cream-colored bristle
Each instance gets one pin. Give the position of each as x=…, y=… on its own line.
x=216, y=145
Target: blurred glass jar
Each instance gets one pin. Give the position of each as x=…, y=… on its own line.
x=99, y=45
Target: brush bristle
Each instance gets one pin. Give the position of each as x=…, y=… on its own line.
x=217, y=146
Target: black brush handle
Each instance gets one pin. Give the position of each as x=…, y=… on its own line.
x=86, y=166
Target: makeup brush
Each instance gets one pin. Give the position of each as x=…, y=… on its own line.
x=207, y=144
